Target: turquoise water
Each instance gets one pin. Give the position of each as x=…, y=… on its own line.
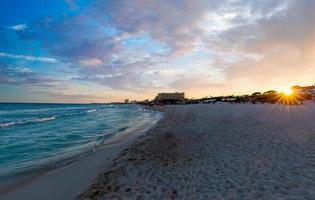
x=33, y=136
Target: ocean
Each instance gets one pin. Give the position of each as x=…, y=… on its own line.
x=35, y=136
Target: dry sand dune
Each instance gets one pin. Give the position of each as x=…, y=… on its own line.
x=218, y=152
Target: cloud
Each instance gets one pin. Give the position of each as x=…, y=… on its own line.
x=247, y=44
x=282, y=39
x=72, y=4
x=29, y=58
x=38, y=87
x=18, y=27
x=251, y=38
x=75, y=97
x=179, y=29
x=72, y=38
x=127, y=76
x=23, y=76
x=94, y=62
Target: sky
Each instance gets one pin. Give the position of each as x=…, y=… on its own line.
x=102, y=51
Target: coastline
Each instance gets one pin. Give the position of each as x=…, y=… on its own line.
x=66, y=178
x=223, y=151
x=239, y=151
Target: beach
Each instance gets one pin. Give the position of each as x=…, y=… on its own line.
x=223, y=151
x=220, y=151
x=171, y=99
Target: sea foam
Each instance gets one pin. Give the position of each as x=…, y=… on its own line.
x=92, y=110
x=28, y=121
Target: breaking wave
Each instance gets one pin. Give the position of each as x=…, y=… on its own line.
x=28, y=121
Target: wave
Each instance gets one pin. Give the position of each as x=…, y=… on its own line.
x=39, y=110
x=21, y=122
x=92, y=110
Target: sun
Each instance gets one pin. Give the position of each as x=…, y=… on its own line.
x=287, y=92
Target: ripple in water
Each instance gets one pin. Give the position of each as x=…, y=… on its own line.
x=34, y=135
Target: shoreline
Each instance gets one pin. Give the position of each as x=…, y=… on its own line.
x=239, y=151
x=224, y=151
x=99, y=157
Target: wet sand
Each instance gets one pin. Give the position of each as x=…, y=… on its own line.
x=221, y=151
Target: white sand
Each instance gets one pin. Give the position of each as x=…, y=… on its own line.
x=68, y=182
x=218, y=152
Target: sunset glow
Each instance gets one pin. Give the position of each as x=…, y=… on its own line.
x=157, y=99
x=288, y=92
x=103, y=51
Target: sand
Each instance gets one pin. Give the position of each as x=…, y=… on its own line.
x=69, y=181
x=221, y=151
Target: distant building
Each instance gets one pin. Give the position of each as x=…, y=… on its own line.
x=177, y=96
x=126, y=101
